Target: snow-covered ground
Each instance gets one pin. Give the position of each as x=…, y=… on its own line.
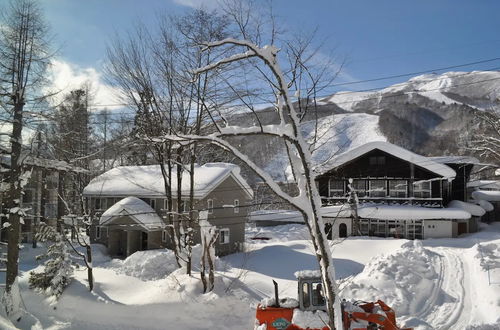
x=432, y=284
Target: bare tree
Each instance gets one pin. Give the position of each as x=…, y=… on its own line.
x=307, y=201
x=23, y=59
x=485, y=141
x=209, y=237
x=155, y=74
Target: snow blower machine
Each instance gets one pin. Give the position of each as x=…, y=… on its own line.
x=309, y=311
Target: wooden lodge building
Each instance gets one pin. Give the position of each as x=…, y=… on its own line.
x=399, y=193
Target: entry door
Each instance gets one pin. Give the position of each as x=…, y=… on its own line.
x=462, y=228
x=144, y=241
x=342, y=230
x=328, y=231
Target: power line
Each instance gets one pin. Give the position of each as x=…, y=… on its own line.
x=416, y=72
x=233, y=106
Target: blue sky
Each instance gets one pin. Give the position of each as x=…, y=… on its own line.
x=377, y=38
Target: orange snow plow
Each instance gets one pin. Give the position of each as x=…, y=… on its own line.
x=309, y=311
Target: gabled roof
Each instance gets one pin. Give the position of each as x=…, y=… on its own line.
x=136, y=209
x=398, y=152
x=147, y=181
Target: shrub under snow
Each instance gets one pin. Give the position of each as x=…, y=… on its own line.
x=58, y=270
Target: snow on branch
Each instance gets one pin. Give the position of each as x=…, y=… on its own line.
x=214, y=139
x=282, y=130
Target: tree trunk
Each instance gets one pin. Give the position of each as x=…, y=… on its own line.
x=90, y=274
x=13, y=202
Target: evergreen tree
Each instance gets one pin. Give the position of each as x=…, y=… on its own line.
x=58, y=269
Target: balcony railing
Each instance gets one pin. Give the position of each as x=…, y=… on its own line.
x=431, y=201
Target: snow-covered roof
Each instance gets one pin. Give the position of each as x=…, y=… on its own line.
x=487, y=206
x=409, y=212
x=398, y=152
x=484, y=184
x=487, y=195
x=307, y=274
x=136, y=209
x=455, y=160
x=473, y=209
x=148, y=181
x=455, y=210
x=276, y=215
x=53, y=164
x=342, y=211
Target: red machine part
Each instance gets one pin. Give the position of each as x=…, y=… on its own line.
x=279, y=318
x=374, y=319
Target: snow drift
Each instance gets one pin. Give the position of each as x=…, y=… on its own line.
x=404, y=280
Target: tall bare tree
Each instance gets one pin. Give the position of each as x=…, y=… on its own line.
x=485, y=141
x=24, y=57
x=154, y=71
x=307, y=201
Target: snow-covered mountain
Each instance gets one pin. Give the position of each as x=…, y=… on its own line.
x=429, y=114
x=478, y=89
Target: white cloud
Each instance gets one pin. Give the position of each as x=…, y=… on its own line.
x=208, y=4
x=65, y=76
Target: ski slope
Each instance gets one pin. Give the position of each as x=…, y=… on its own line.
x=328, y=137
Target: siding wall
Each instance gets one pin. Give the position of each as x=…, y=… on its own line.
x=222, y=216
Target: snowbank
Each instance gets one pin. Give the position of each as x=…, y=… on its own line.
x=404, y=280
x=147, y=265
x=487, y=206
x=487, y=195
x=473, y=209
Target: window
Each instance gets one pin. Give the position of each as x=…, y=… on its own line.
x=305, y=294
x=224, y=236
x=98, y=204
x=236, y=206
x=422, y=189
x=377, y=160
x=359, y=187
x=317, y=295
x=164, y=236
x=397, y=188
x=110, y=201
x=165, y=204
x=335, y=188
x=210, y=206
x=184, y=206
x=377, y=188
x=152, y=203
